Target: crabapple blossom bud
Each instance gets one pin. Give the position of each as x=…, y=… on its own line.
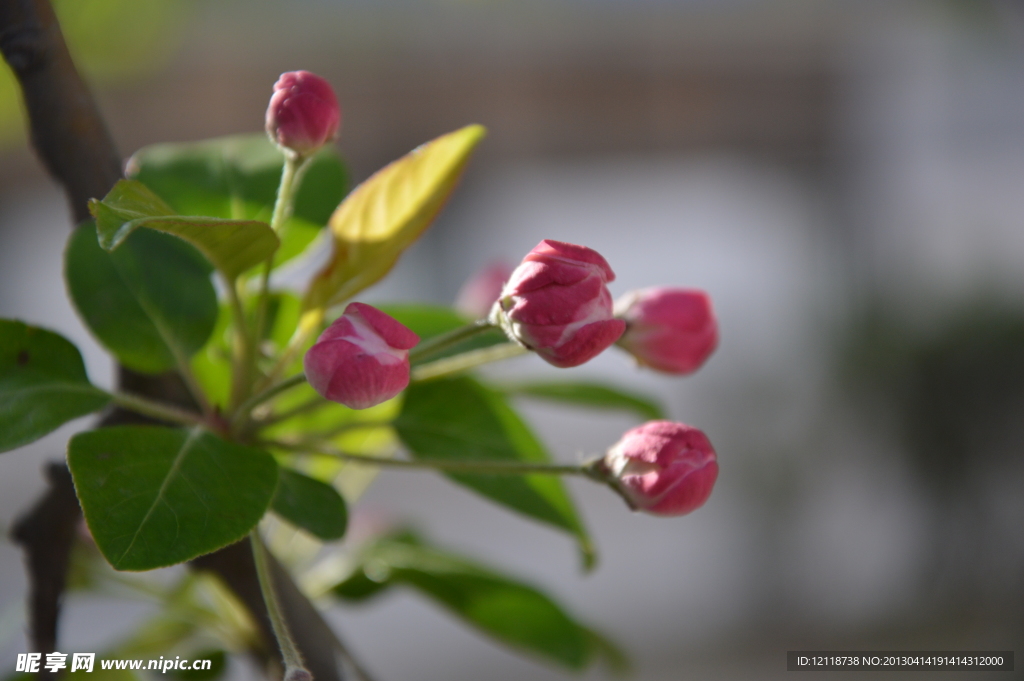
x=557, y=304
x=478, y=294
x=362, y=359
x=303, y=114
x=672, y=330
x=663, y=468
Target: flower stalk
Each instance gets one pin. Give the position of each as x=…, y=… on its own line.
x=156, y=410
x=294, y=667
x=466, y=360
x=444, y=341
x=446, y=465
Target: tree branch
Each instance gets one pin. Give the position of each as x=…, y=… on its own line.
x=234, y=565
x=67, y=130
x=46, y=534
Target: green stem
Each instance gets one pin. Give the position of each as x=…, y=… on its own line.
x=289, y=651
x=157, y=410
x=444, y=341
x=243, y=352
x=466, y=360
x=310, y=325
x=290, y=174
x=455, y=466
x=243, y=411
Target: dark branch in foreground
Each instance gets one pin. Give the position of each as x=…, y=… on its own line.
x=234, y=565
x=46, y=534
x=67, y=130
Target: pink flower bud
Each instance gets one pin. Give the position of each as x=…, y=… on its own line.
x=557, y=304
x=362, y=359
x=478, y=295
x=303, y=114
x=662, y=468
x=668, y=329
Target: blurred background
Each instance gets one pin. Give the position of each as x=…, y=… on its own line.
x=846, y=179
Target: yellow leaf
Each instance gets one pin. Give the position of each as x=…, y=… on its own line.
x=387, y=213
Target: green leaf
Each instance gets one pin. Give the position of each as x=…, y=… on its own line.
x=310, y=504
x=156, y=496
x=43, y=384
x=212, y=364
x=509, y=611
x=150, y=302
x=460, y=419
x=237, y=177
x=589, y=394
x=426, y=320
x=386, y=214
x=233, y=246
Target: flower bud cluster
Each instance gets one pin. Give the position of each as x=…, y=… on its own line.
x=555, y=303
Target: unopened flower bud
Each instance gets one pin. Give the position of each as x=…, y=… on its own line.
x=672, y=330
x=557, y=304
x=303, y=114
x=362, y=359
x=478, y=295
x=663, y=468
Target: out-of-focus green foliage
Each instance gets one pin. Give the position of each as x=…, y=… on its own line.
x=498, y=605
